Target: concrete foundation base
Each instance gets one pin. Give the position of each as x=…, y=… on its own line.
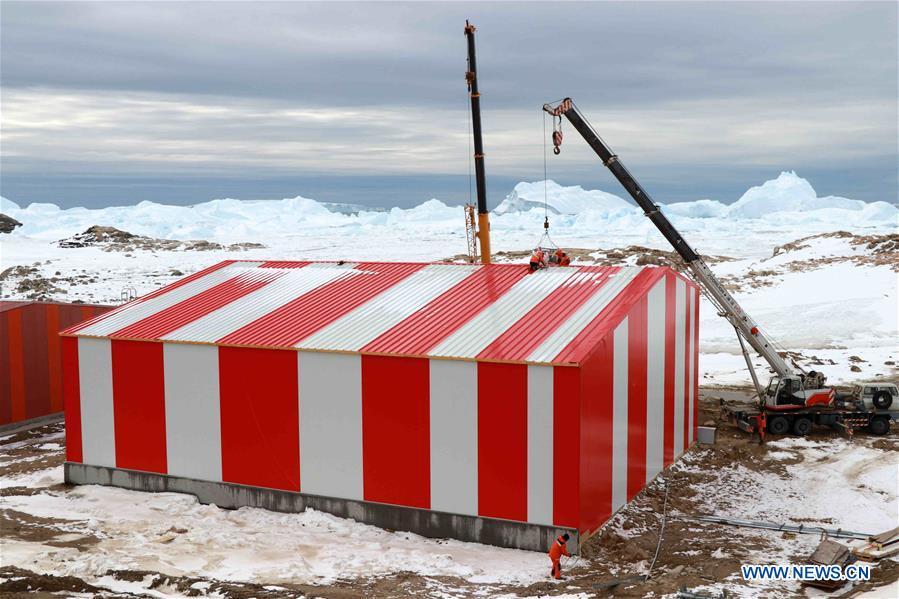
x=24, y=425
x=427, y=523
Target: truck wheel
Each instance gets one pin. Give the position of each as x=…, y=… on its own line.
x=882, y=400
x=778, y=425
x=879, y=426
x=802, y=426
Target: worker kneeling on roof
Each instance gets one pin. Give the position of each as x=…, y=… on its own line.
x=556, y=551
x=561, y=258
x=538, y=260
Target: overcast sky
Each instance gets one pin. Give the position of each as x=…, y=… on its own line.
x=114, y=103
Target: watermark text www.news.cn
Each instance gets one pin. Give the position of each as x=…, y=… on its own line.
x=806, y=572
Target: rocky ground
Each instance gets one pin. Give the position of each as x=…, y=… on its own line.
x=111, y=239
x=75, y=555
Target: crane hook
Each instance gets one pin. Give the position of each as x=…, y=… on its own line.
x=557, y=134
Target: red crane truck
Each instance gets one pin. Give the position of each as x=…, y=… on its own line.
x=794, y=399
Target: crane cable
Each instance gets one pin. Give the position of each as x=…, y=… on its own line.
x=545, y=216
x=550, y=242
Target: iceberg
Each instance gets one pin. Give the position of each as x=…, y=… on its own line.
x=785, y=202
x=559, y=199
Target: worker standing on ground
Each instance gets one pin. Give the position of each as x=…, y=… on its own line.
x=538, y=260
x=556, y=552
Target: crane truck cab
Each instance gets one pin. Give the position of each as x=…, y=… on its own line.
x=790, y=392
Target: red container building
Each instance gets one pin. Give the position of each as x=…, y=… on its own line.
x=481, y=402
x=30, y=362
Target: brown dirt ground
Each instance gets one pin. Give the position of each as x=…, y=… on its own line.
x=684, y=555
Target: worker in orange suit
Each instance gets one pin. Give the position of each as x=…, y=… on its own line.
x=538, y=260
x=556, y=552
x=564, y=259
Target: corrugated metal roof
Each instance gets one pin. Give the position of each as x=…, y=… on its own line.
x=498, y=312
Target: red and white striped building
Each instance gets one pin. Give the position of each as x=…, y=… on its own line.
x=548, y=398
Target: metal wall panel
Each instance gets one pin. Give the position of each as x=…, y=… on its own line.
x=97, y=411
x=192, y=416
x=330, y=424
x=138, y=397
x=260, y=417
x=540, y=444
x=637, y=374
x=620, y=415
x=691, y=358
x=655, y=380
x=680, y=325
x=502, y=440
x=454, y=436
x=396, y=443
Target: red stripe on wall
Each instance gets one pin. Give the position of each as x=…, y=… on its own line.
x=566, y=440
x=16, y=365
x=670, y=328
x=205, y=302
x=54, y=357
x=396, y=452
x=423, y=330
x=138, y=398
x=502, y=441
x=260, y=417
x=597, y=375
x=71, y=390
x=696, y=361
x=87, y=311
x=5, y=391
x=688, y=343
x=526, y=335
x=637, y=347
x=312, y=311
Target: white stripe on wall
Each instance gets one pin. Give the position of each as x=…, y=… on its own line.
x=97, y=412
x=680, y=325
x=291, y=284
x=655, y=380
x=454, y=436
x=330, y=424
x=540, y=444
x=691, y=308
x=359, y=327
x=139, y=310
x=193, y=433
x=619, y=416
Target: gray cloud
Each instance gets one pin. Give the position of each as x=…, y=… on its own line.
x=696, y=92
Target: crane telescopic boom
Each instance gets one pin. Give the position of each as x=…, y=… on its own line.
x=727, y=306
x=471, y=76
